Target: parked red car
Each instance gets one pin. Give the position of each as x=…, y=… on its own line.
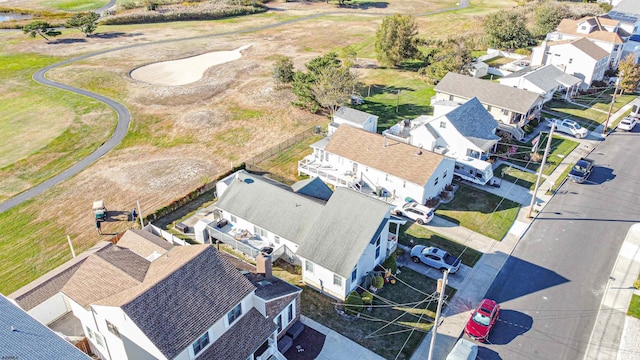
x=482, y=320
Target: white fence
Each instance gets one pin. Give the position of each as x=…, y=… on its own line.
x=165, y=235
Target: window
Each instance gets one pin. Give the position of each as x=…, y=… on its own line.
x=436, y=181
x=443, y=124
x=276, y=239
x=89, y=333
x=354, y=274
x=279, y=322
x=337, y=280
x=488, y=108
x=378, y=247
x=444, y=176
x=234, y=314
x=113, y=329
x=570, y=61
x=99, y=339
x=290, y=313
x=615, y=47
x=450, y=97
x=505, y=112
x=201, y=343
x=308, y=266
x=234, y=219
x=259, y=232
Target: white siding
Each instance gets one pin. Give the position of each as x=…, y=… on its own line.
x=51, y=309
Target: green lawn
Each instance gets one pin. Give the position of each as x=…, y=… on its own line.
x=517, y=176
x=634, y=307
x=423, y=236
x=560, y=180
x=389, y=90
x=560, y=148
x=395, y=341
x=480, y=211
x=591, y=117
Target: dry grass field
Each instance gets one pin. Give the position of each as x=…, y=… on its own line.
x=180, y=136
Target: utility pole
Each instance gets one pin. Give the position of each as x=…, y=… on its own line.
x=140, y=215
x=544, y=161
x=434, y=330
x=73, y=253
x=613, y=100
x=398, y=100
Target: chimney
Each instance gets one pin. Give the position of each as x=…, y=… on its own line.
x=263, y=264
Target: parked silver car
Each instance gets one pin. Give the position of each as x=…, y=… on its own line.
x=435, y=257
x=416, y=212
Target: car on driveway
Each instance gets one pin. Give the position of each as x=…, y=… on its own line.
x=627, y=124
x=435, y=257
x=570, y=127
x=482, y=320
x=416, y=212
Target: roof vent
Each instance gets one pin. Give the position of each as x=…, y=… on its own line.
x=419, y=152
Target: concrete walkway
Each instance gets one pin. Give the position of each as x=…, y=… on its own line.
x=338, y=347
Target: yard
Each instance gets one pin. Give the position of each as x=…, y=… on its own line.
x=560, y=148
x=594, y=109
x=423, y=236
x=516, y=176
x=397, y=322
x=634, y=307
x=480, y=211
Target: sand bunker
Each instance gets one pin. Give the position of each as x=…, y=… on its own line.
x=184, y=71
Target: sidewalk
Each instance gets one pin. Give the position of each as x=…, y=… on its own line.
x=338, y=347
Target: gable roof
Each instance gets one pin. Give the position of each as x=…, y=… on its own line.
x=313, y=187
x=257, y=200
x=473, y=122
x=350, y=220
x=570, y=26
x=184, y=293
x=626, y=11
x=549, y=76
x=46, y=286
x=583, y=44
x=353, y=115
x=489, y=93
x=23, y=337
x=143, y=242
x=242, y=339
x=389, y=156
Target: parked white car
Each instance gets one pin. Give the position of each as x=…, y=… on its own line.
x=570, y=127
x=628, y=123
x=416, y=212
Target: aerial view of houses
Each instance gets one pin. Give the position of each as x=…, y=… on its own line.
x=330, y=180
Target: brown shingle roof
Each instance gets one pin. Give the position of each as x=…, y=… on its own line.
x=396, y=158
x=569, y=26
x=243, y=339
x=143, y=242
x=184, y=293
x=107, y=272
x=592, y=50
x=488, y=92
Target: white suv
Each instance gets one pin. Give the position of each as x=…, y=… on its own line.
x=414, y=211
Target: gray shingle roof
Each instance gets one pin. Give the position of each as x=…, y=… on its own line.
x=313, y=187
x=253, y=198
x=243, y=339
x=396, y=158
x=475, y=123
x=628, y=7
x=349, y=222
x=24, y=338
x=186, y=291
x=489, y=93
x=352, y=115
x=548, y=77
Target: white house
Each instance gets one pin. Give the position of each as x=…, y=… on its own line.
x=181, y=303
x=602, y=31
x=545, y=80
x=378, y=165
x=355, y=118
x=337, y=242
x=511, y=107
x=580, y=58
x=465, y=132
x=627, y=12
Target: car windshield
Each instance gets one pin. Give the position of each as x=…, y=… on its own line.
x=481, y=319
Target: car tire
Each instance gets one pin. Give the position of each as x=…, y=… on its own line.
x=443, y=269
x=415, y=259
x=578, y=136
x=420, y=222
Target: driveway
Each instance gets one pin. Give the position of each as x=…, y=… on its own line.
x=453, y=280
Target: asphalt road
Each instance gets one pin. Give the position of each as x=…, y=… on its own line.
x=552, y=285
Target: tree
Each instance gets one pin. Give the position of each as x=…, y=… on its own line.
x=452, y=57
x=629, y=73
x=547, y=17
x=302, y=83
x=333, y=87
x=396, y=39
x=283, y=70
x=85, y=22
x=41, y=28
x=507, y=30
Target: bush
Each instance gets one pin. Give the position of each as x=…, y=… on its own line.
x=391, y=264
x=353, y=303
x=367, y=298
x=128, y=5
x=432, y=203
x=528, y=128
x=636, y=284
x=534, y=122
x=378, y=282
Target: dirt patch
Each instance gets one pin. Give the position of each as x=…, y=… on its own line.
x=307, y=346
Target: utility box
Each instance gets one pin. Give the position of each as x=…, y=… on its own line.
x=99, y=210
